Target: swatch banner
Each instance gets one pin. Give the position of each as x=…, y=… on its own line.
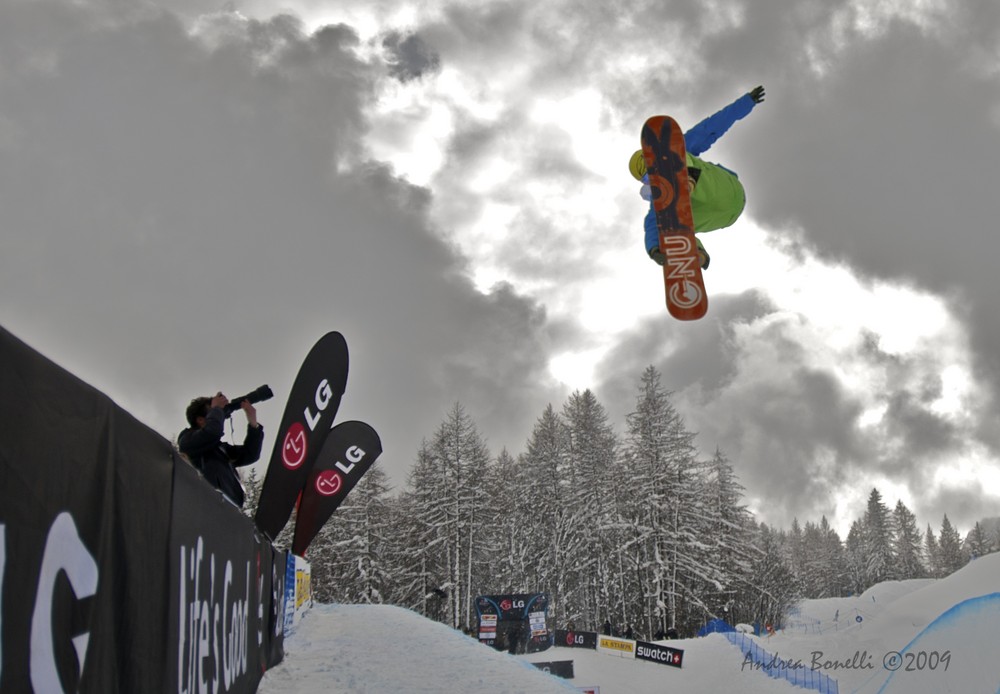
x=309, y=414
x=348, y=452
x=659, y=654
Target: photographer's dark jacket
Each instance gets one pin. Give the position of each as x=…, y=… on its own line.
x=217, y=460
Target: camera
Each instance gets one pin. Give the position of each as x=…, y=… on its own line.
x=258, y=395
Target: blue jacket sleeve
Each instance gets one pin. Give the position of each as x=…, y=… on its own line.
x=702, y=136
x=651, y=233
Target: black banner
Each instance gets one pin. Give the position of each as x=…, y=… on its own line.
x=96, y=586
x=349, y=451
x=278, y=613
x=559, y=668
x=576, y=639
x=309, y=414
x=513, y=606
x=659, y=654
x=515, y=622
x=84, y=522
x=225, y=628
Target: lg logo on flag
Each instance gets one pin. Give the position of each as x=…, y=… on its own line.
x=329, y=482
x=295, y=447
x=293, y=453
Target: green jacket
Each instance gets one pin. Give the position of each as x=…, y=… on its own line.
x=718, y=198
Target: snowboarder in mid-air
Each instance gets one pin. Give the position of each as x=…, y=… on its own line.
x=717, y=196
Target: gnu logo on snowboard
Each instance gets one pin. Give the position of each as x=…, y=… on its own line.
x=682, y=271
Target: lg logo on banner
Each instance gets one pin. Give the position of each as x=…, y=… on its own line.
x=329, y=482
x=64, y=553
x=295, y=447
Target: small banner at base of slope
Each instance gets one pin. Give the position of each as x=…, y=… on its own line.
x=349, y=451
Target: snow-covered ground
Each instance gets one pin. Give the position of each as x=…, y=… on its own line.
x=910, y=636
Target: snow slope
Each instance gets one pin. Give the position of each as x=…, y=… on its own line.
x=894, y=614
x=953, y=622
x=341, y=649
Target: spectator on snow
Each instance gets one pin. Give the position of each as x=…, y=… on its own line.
x=514, y=635
x=202, y=445
x=607, y=627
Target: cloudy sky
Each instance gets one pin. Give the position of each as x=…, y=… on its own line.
x=192, y=192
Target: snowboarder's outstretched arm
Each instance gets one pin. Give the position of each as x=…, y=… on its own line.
x=702, y=136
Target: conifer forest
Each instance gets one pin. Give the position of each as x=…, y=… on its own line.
x=636, y=528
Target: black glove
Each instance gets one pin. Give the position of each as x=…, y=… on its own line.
x=757, y=94
x=703, y=255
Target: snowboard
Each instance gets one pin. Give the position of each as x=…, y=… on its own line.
x=666, y=164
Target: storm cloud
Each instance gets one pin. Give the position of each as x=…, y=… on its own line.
x=191, y=197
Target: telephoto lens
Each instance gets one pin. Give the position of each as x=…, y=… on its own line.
x=258, y=395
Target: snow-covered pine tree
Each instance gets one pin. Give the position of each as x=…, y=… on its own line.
x=252, y=485
x=990, y=529
x=795, y=542
x=855, y=559
x=978, y=541
x=878, y=541
x=592, y=449
x=818, y=559
x=931, y=553
x=648, y=448
x=771, y=588
x=810, y=561
x=508, y=540
x=421, y=575
x=447, y=501
x=728, y=512
x=950, y=556
x=834, y=583
x=667, y=511
x=350, y=556
x=463, y=459
x=730, y=527
x=907, y=545
x=553, y=529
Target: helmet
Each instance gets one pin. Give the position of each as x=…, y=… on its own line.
x=637, y=165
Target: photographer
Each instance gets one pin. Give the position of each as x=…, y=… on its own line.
x=204, y=448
